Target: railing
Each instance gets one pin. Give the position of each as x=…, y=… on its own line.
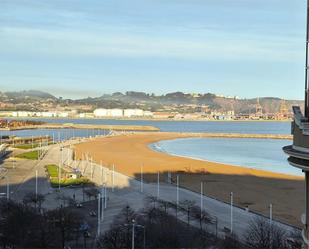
x=300, y=120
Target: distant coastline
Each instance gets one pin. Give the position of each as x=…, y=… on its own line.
x=147, y=119
x=83, y=126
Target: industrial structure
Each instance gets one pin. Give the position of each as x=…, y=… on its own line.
x=299, y=151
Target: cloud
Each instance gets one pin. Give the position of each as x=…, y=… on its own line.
x=211, y=46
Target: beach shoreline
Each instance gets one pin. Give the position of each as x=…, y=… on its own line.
x=253, y=188
x=154, y=147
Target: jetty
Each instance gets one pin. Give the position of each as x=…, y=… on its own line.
x=84, y=126
x=239, y=135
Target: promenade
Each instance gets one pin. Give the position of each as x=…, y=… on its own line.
x=122, y=190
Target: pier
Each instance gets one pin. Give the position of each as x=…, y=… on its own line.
x=84, y=126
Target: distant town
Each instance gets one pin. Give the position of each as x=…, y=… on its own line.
x=139, y=105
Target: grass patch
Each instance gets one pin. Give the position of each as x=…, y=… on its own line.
x=31, y=155
x=25, y=146
x=69, y=182
x=28, y=146
x=53, y=172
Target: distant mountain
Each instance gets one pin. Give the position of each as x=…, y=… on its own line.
x=214, y=102
x=174, y=101
x=29, y=94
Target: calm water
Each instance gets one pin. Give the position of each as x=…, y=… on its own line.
x=255, y=153
x=57, y=134
x=265, y=154
x=192, y=126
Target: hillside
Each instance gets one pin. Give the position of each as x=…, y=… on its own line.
x=175, y=101
x=154, y=103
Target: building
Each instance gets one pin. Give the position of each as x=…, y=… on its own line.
x=108, y=113
x=299, y=151
x=118, y=113
x=100, y=112
x=133, y=113
x=86, y=115
x=48, y=114
x=148, y=114
x=63, y=114
x=22, y=114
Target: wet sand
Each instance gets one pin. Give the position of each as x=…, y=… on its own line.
x=253, y=188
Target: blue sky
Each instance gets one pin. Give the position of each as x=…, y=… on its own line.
x=78, y=48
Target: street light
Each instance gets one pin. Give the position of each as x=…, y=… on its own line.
x=7, y=188
x=232, y=202
x=133, y=234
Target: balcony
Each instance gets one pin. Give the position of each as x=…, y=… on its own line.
x=299, y=151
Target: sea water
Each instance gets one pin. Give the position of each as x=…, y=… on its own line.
x=263, y=154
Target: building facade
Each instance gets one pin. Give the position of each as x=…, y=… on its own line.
x=299, y=151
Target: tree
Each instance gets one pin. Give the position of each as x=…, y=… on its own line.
x=113, y=239
x=23, y=226
x=187, y=206
x=92, y=192
x=151, y=200
x=162, y=231
x=126, y=216
x=34, y=199
x=65, y=223
x=66, y=200
x=231, y=242
x=164, y=205
x=119, y=236
x=201, y=215
x=263, y=235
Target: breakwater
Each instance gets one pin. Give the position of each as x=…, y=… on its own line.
x=84, y=126
x=239, y=135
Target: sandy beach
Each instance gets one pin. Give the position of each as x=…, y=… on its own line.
x=253, y=188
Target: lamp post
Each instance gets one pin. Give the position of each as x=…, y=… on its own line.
x=306, y=66
x=142, y=179
x=202, y=185
x=134, y=225
x=232, y=200
x=7, y=188
x=99, y=215
x=133, y=234
x=113, y=178
x=36, y=184
x=177, y=190
x=158, y=185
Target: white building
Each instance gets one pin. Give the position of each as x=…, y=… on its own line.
x=115, y=112
x=22, y=114
x=100, y=112
x=86, y=115
x=48, y=114
x=133, y=113
x=108, y=113
x=148, y=114
x=63, y=114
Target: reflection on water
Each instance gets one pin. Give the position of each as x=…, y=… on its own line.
x=264, y=154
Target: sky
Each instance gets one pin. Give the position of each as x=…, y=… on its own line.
x=78, y=48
